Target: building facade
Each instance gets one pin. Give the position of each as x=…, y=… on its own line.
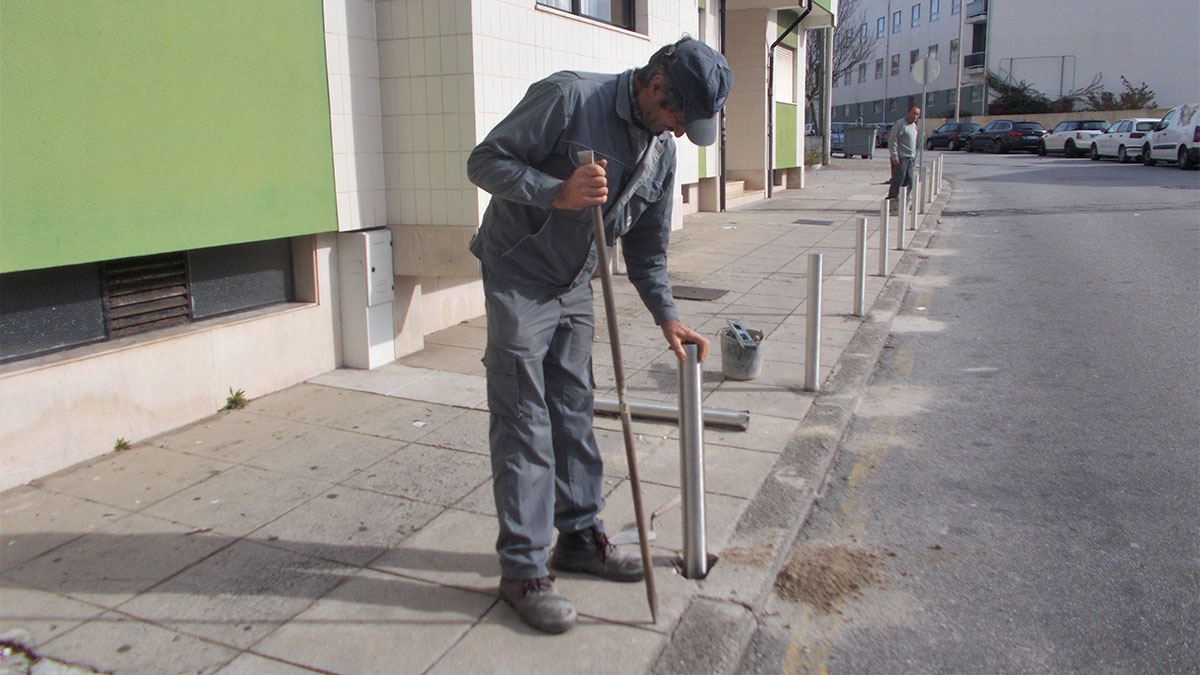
x=202, y=198
x=1055, y=48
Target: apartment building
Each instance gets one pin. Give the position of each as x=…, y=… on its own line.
x=201, y=198
x=1056, y=47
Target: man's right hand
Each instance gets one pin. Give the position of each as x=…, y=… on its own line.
x=587, y=186
x=895, y=162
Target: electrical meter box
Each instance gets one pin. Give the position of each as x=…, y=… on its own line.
x=367, y=290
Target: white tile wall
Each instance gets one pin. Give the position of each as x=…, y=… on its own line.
x=355, y=107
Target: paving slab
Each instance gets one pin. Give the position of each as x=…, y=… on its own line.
x=35, y=521
x=237, y=501
x=427, y=474
x=456, y=549
x=232, y=435
x=327, y=455
x=347, y=525
x=378, y=623
x=40, y=616
x=114, y=563
x=134, y=478
x=114, y=643
x=238, y=595
x=501, y=643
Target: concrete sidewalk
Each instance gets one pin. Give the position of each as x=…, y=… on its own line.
x=346, y=524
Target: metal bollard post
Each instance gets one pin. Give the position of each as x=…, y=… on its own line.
x=691, y=465
x=812, y=359
x=884, y=218
x=928, y=187
x=941, y=165
x=916, y=196
x=915, y=202
x=902, y=221
x=937, y=175
x=860, y=267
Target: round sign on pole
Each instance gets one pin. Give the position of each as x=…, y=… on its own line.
x=926, y=70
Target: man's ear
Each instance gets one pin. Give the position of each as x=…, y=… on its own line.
x=655, y=84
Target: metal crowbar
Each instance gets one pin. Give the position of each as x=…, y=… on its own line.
x=610, y=309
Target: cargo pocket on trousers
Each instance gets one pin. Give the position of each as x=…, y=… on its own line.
x=503, y=383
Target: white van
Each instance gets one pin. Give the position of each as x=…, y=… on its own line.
x=1176, y=138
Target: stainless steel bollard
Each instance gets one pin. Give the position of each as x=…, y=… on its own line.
x=691, y=465
x=860, y=267
x=916, y=196
x=915, y=202
x=885, y=216
x=812, y=359
x=902, y=221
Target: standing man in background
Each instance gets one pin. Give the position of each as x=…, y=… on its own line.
x=538, y=255
x=902, y=147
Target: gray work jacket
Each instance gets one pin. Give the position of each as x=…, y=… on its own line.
x=525, y=159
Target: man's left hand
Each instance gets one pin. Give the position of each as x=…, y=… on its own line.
x=678, y=335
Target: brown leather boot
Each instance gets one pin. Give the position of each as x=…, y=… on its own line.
x=589, y=551
x=538, y=604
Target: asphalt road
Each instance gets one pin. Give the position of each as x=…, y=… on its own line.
x=1020, y=489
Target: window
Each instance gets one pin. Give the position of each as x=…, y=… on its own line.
x=46, y=310
x=847, y=78
x=976, y=93
x=862, y=33
x=912, y=58
x=954, y=51
x=835, y=82
x=880, y=27
x=935, y=7
x=955, y=6
x=862, y=72
x=916, y=15
x=895, y=64
x=878, y=107
x=785, y=74
x=933, y=52
x=892, y=103
x=616, y=12
x=897, y=21
x=879, y=69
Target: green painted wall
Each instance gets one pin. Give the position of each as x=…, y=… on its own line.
x=133, y=127
x=785, y=136
x=702, y=158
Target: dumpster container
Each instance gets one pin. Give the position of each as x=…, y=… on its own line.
x=860, y=140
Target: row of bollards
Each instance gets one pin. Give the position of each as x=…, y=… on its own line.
x=927, y=184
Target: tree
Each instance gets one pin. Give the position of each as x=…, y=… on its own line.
x=1133, y=98
x=1015, y=98
x=850, y=48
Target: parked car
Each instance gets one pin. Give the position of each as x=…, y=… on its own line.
x=837, y=137
x=1176, y=138
x=1004, y=135
x=881, y=136
x=1072, y=137
x=952, y=135
x=1123, y=139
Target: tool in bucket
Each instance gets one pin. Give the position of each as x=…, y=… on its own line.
x=610, y=309
x=743, y=336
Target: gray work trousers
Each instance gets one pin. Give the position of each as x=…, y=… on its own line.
x=901, y=177
x=546, y=468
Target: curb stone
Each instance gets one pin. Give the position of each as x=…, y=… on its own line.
x=720, y=622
